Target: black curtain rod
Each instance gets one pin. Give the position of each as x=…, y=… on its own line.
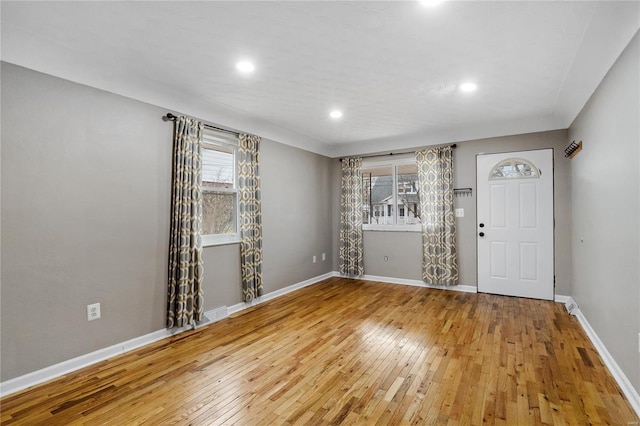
x=172, y=117
x=453, y=146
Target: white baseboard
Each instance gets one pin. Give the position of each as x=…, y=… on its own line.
x=281, y=292
x=418, y=283
x=40, y=376
x=217, y=314
x=627, y=388
x=569, y=303
x=49, y=373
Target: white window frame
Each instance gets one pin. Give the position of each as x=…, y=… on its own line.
x=393, y=162
x=212, y=139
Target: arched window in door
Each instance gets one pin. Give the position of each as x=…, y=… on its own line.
x=514, y=168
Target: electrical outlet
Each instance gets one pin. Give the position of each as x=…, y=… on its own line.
x=459, y=212
x=314, y=259
x=324, y=257
x=93, y=311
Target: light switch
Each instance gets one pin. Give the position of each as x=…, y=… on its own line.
x=459, y=212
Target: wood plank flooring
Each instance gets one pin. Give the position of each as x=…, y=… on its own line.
x=349, y=352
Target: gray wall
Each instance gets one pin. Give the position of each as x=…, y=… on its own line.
x=85, y=190
x=296, y=214
x=605, y=213
x=221, y=282
x=404, y=248
x=85, y=219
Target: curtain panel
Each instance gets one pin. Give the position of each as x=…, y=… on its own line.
x=249, y=206
x=185, y=297
x=351, y=245
x=435, y=180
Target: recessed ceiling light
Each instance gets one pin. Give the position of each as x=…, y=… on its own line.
x=430, y=3
x=335, y=114
x=245, y=67
x=468, y=87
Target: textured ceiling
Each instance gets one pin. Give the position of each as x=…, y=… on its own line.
x=392, y=67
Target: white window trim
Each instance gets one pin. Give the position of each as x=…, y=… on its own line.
x=212, y=139
x=392, y=228
x=394, y=161
x=220, y=239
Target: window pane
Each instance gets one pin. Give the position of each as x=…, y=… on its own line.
x=408, y=195
x=378, y=206
x=217, y=167
x=218, y=213
x=514, y=168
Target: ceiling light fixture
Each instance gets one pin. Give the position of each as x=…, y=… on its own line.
x=468, y=87
x=335, y=114
x=245, y=67
x=430, y=3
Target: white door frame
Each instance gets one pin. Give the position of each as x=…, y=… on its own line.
x=513, y=259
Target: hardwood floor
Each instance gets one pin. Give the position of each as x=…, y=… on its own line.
x=349, y=352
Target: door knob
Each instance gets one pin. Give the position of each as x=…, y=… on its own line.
x=481, y=234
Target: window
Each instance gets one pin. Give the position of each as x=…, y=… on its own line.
x=514, y=168
x=219, y=189
x=390, y=194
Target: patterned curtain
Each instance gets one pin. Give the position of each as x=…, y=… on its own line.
x=435, y=177
x=351, y=247
x=185, y=299
x=250, y=216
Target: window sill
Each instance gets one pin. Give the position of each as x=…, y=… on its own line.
x=392, y=228
x=220, y=240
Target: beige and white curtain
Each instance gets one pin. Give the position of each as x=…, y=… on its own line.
x=435, y=179
x=351, y=245
x=185, y=298
x=250, y=216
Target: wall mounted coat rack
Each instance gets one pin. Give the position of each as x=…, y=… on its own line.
x=573, y=149
x=463, y=192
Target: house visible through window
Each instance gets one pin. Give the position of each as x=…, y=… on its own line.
x=390, y=194
x=219, y=189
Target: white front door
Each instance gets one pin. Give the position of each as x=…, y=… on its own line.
x=515, y=224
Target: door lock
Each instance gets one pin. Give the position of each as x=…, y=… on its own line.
x=481, y=234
